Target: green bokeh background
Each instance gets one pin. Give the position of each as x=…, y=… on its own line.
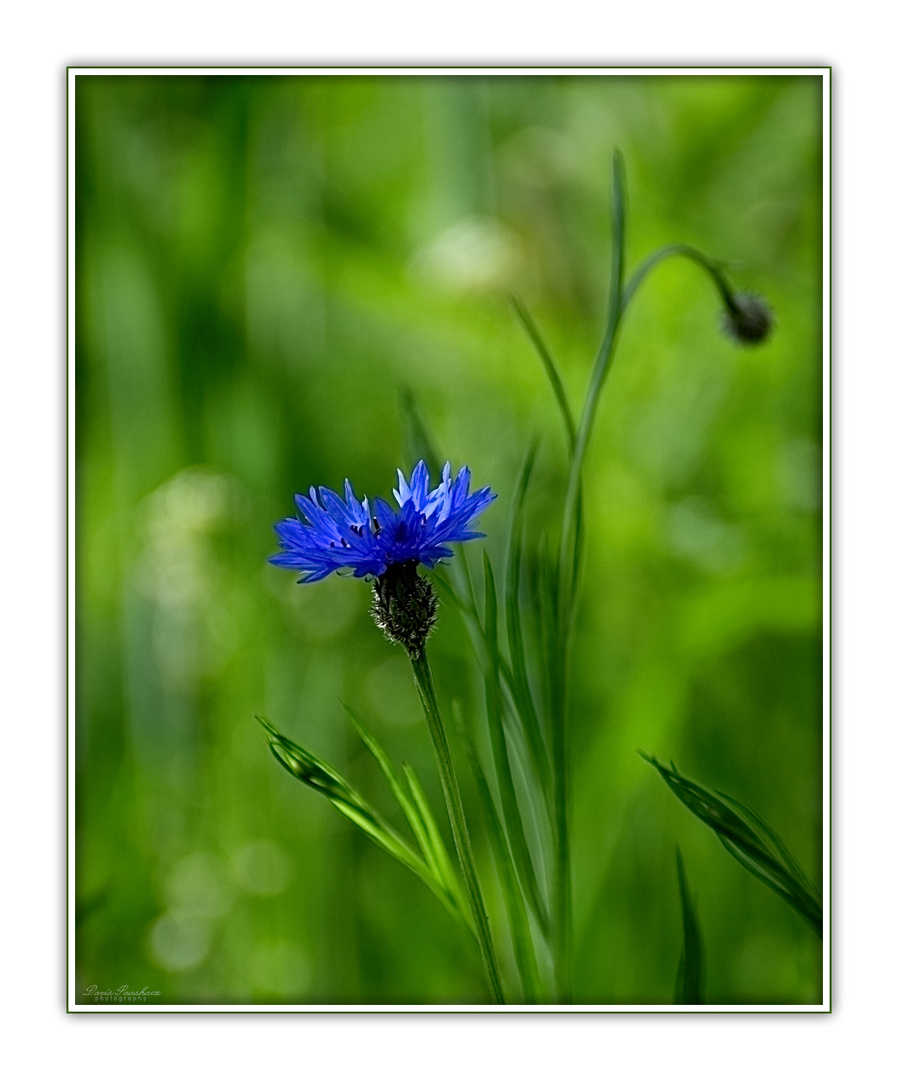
x=263, y=264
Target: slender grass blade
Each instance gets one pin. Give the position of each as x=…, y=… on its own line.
x=521, y=937
x=690, y=985
x=520, y=681
x=555, y=380
x=321, y=777
x=750, y=841
x=507, y=794
x=776, y=842
x=438, y=855
x=407, y=805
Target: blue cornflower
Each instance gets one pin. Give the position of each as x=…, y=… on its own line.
x=345, y=533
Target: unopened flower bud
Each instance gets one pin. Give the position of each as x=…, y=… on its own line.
x=748, y=319
x=405, y=606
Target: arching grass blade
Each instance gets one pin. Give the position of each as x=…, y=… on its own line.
x=536, y=339
x=519, y=677
x=321, y=777
x=507, y=794
x=690, y=985
x=750, y=841
x=521, y=937
x=417, y=813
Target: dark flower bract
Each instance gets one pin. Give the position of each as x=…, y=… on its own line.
x=748, y=319
x=347, y=533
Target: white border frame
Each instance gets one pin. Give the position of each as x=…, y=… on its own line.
x=73, y=1006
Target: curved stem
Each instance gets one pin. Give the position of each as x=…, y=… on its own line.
x=710, y=267
x=569, y=551
x=562, y=881
x=599, y=372
x=568, y=577
x=449, y=781
x=557, y=385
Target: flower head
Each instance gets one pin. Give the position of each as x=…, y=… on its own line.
x=347, y=533
x=747, y=319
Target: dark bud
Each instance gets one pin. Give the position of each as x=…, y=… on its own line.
x=748, y=320
x=405, y=606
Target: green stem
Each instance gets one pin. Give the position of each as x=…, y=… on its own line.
x=569, y=550
x=427, y=693
x=562, y=897
x=710, y=267
x=568, y=576
x=551, y=369
x=599, y=372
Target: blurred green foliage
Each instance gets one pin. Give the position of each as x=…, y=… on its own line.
x=264, y=263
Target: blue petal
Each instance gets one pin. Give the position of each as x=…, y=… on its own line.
x=384, y=514
x=419, y=484
x=404, y=492
x=342, y=533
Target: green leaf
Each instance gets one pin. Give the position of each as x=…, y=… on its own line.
x=379, y=755
x=507, y=794
x=437, y=853
x=618, y=221
x=521, y=937
x=465, y=564
x=421, y=821
x=577, y=554
x=750, y=841
x=486, y=651
x=519, y=681
x=545, y=596
x=318, y=775
x=776, y=842
x=406, y=805
x=690, y=985
x=568, y=559
x=536, y=339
